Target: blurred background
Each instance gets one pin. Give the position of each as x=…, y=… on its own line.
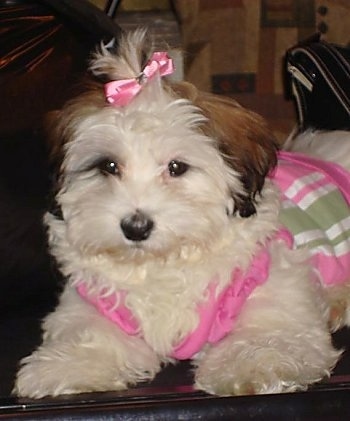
x=236, y=47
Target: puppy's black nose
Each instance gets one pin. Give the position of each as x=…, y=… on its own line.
x=137, y=227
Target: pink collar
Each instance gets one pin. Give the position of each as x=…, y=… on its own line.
x=217, y=313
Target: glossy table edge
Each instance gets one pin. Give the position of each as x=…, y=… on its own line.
x=325, y=401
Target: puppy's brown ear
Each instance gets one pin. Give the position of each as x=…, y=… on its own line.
x=60, y=127
x=243, y=138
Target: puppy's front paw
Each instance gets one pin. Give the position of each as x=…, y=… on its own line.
x=49, y=372
x=273, y=365
x=245, y=377
x=75, y=368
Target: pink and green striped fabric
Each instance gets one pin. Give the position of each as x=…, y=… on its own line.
x=315, y=209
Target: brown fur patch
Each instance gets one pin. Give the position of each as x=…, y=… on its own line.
x=59, y=127
x=244, y=139
x=60, y=124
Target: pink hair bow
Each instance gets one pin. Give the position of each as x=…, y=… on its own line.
x=121, y=92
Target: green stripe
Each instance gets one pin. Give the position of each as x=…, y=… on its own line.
x=326, y=241
x=329, y=209
x=322, y=214
x=296, y=220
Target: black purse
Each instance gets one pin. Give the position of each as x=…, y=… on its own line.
x=318, y=79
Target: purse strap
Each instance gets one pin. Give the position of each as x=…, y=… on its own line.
x=331, y=63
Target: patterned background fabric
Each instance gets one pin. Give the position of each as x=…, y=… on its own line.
x=236, y=47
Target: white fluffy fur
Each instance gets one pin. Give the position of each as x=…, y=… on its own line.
x=281, y=341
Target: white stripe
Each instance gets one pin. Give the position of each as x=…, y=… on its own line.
x=338, y=228
x=327, y=249
x=315, y=195
x=287, y=203
x=342, y=248
x=329, y=234
x=339, y=250
x=301, y=182
x=308, y=236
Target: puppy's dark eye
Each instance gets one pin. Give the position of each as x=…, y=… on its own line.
x=177, y=168
x=107, y=166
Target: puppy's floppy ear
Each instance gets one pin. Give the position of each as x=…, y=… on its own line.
x=244, y=140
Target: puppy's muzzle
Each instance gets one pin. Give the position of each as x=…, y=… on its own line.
x=137, y=227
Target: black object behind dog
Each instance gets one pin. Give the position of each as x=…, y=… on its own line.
x=318, y=77
x=43, y=51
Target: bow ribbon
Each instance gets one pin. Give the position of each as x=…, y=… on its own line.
x=121, y=92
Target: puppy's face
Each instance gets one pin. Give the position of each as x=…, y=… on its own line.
x=158, y=174
x=135, y=180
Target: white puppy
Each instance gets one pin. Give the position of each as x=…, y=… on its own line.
x=168, y=230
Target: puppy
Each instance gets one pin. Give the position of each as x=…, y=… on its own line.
x=169, y=227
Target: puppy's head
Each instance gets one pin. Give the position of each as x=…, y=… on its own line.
x=171, y=168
